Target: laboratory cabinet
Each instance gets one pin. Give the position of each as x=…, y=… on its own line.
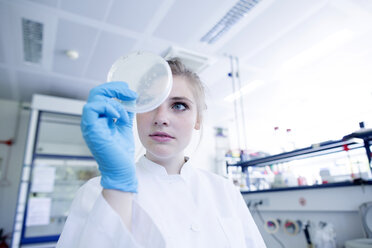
x=56, y=163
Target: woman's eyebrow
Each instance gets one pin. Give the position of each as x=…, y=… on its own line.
x=181, y=98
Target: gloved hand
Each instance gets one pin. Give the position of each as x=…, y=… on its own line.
x=107, y=130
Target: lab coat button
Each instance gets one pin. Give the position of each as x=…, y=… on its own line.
x=195, y=227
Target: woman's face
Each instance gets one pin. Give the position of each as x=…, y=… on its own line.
x=166, y=131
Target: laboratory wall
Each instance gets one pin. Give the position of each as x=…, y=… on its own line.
x=14, y=118
x=324, y=209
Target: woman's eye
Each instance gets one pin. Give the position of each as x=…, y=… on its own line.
x=180, y=106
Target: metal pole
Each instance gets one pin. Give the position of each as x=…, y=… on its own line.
x=235, y=101
x=241, y=104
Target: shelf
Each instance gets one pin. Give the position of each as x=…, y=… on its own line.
x=318, y=186
x=314, y=150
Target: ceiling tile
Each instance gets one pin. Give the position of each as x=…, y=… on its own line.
x=5, y=88
x=134, y=15
x=73, y=89
x=311, y=31
x=365, y=4
x=154, y=45
x=185, y=18
x=270, y=24
x=51, y=3
x=77, y=37
x=32, y=83
x=95, y=9
x=109, y=48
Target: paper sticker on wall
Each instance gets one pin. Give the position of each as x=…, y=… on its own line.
x=38, y=211
x=43, y=179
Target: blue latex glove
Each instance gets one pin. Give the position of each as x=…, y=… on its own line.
x=111, y=142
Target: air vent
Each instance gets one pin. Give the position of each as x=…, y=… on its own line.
x=32, y=41
x=237, y=12
x=192, y=60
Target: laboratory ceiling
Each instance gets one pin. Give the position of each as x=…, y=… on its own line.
x=292, y=53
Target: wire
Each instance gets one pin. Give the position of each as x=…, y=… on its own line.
x=263, y=222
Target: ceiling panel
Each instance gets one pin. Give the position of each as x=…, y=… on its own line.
x=95, y=9
x=71, y=88
x=365, y=4
x=154, y=45
x=312, y=30
x=38, y=83
x=134, y=15
x=50, y=3
x=274, y=22
x=30, y=83
x=187, y=18
x=5, y=87
x=71, y=35
x=109, y=48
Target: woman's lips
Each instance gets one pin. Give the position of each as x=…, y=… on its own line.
x=161, y=137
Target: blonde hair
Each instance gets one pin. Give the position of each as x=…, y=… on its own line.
x=179, y=69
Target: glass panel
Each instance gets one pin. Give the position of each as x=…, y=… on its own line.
x=61, y=164
x=53, y=187
x=60, y=134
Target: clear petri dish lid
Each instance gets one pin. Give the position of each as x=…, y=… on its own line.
x=148, y=74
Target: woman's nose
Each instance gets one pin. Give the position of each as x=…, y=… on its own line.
x=161, y=116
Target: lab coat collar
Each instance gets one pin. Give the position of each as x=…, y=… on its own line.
x=159, y=170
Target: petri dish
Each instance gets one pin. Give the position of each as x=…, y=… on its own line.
x=146, y=73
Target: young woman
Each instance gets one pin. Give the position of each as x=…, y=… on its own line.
x=162, y=201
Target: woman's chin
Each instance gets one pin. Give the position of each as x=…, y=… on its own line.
x=161, y=154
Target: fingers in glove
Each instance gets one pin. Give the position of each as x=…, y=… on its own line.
x=125, y=118
x=119, y=90
x=94, y=110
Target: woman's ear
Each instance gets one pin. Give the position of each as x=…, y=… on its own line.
x=197, y=123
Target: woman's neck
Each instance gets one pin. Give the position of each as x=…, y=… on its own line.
x=172, y=165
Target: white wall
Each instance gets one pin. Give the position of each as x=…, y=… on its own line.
x=13, y=125
x=337, y=206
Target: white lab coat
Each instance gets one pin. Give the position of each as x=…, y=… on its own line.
x=193, y=209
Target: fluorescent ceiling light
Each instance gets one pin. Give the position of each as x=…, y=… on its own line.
x=322, y=48
x=244, y=90
x=236, y=13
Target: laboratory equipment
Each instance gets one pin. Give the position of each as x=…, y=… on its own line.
x=148, y=74
x=331, y=163
x=365, y=212
x=272, y=226
x=292, y=227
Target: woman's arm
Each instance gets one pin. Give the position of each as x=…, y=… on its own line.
x=121, y=202
x=107, y=129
